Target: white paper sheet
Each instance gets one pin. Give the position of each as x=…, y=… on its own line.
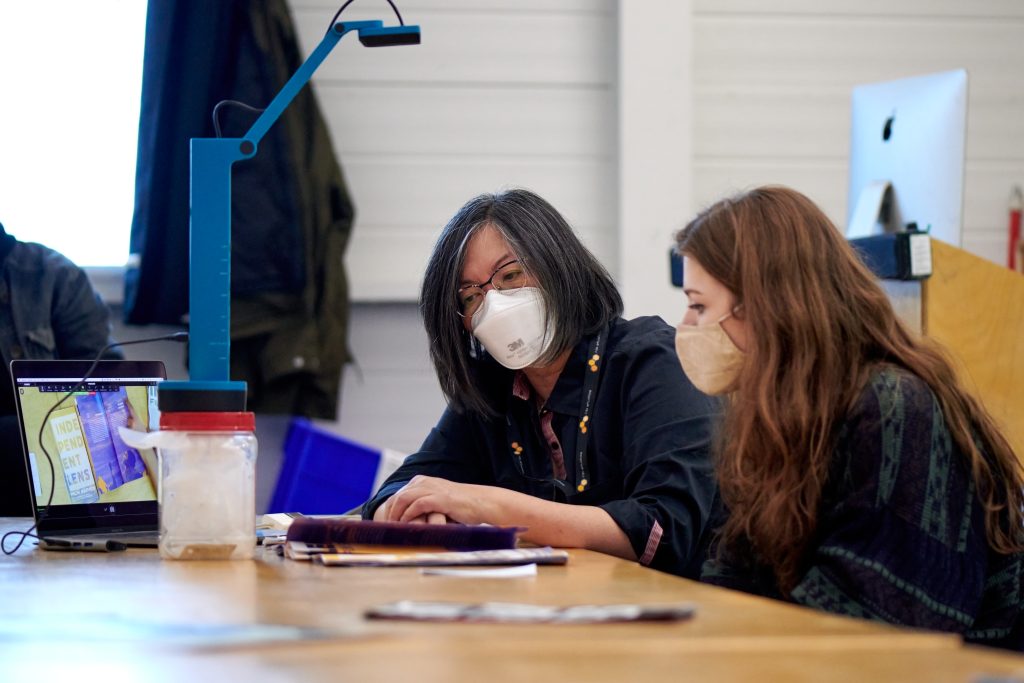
x=490, y=573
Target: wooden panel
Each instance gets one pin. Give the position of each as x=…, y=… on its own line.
x=458, y=144
x=976, y=309
x=995, y=120
x=880, y=9
x=501, y=93
x=990, y=246
x=823, y=181
x=987, y=193
x=812, y=120
x=385, y=263
x=756, y=107
x=403, y=202
x=799, y=49
x=411, y=8
x=475, y=47
x=986, y=190
x=390, y=397
x=771, y=121
x=389, y=339
x=425, y=191
x=479, y=121
x=370, y=415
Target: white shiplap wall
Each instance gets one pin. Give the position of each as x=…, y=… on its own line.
x=500, y=93
x=772, y=81
x=506, y=92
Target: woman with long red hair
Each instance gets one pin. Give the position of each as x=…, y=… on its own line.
x=860, y=477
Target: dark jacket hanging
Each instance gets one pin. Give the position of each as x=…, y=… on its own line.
x=291, y=213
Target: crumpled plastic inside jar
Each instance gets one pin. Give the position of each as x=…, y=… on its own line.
x=207, y=488
x=167, y=439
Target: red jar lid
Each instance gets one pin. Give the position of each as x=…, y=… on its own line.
x=208, y=422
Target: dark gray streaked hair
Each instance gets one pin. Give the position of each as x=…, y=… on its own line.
x=579, y=294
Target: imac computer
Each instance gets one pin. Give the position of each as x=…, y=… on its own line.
x=907, y=143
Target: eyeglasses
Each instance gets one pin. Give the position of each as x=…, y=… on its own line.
x=509, y=275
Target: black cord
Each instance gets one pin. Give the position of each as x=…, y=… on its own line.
x=398, y=14
x=337, y=14
x=217, y=107
x=177, y=336
x=23, y=534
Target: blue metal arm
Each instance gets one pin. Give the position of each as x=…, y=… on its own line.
x=210, y=201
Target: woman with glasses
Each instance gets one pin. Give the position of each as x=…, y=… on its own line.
x=563, y=418
x=860, y=477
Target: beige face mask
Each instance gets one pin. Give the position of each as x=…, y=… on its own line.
x=709, y=357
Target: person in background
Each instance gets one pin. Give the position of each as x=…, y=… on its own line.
x=563, y=418
x=48, y=310
x=860, y=478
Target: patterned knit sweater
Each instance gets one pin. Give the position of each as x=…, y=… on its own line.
x=901, y=532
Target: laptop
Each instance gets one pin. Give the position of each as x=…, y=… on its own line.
x=104, y=493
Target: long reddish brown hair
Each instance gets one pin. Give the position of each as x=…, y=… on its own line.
x=820, y=324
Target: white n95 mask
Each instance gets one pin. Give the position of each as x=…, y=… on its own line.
x=709, y=357
x=510, y=325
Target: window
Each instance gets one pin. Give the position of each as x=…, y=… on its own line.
x=70, y=80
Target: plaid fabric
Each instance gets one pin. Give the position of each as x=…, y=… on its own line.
x=901, y=531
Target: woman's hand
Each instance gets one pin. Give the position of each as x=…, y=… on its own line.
x=435, y=501
x=381, y=515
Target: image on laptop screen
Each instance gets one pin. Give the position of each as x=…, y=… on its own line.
x=95, y=475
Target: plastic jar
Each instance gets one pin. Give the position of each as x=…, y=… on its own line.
x=208, y=486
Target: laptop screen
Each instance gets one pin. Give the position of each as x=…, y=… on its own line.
x=96, y=480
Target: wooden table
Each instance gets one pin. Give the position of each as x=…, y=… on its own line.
x=733, y=637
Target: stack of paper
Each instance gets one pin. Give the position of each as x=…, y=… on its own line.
x=368, y=556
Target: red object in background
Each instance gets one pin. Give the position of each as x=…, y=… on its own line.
x=1015, y=208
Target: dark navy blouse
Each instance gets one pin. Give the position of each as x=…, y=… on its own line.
x=648, y=451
